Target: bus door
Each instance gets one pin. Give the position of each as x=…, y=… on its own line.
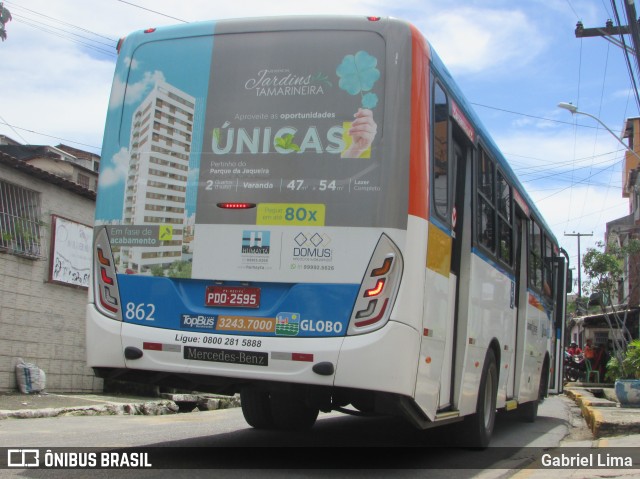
x=460, y=255
x=520, y=299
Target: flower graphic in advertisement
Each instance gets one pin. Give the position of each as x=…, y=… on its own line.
x=358, y=74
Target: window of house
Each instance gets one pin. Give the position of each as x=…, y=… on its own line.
x=84, y=180
x=19, y=220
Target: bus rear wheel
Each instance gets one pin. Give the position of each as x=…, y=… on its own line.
x=256, y=408
x=479, y=426
x=290, y=412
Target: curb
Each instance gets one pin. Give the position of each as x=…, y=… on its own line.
x=601, y=415
x=151, y=408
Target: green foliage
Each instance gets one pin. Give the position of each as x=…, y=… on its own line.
x=604, y=269
x=5, y=17
x=180, y=269
x=286, y=142
x=630, y=366
x=157, y=270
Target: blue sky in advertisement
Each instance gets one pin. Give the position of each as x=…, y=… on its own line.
x=515, y=61
x=152, y=63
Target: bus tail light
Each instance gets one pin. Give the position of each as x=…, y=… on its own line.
x=378, y=289
x=105, y=283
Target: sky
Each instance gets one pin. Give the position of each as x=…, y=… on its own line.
x=514, y=61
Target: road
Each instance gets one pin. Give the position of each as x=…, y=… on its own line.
x=221, y=439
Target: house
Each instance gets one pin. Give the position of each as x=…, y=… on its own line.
x=620, y=231
x=63, y=161
x=46, y=218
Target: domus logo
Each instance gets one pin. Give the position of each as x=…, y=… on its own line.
x=312, y=246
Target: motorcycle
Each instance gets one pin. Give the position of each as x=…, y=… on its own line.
x=575, y=368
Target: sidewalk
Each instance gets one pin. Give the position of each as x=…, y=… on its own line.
x=15, y=405
x=601, y=411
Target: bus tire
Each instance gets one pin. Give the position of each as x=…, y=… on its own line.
x=479, y=426
x=256, y=408
x=290, y=412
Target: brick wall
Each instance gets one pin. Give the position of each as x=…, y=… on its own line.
x=43, y=322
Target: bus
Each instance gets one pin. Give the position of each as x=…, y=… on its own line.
x=306, y=211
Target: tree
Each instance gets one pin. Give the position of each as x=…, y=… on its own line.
x=605, y=271
x=5, y=17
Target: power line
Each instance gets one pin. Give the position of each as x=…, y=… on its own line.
x=529, y=116
x=13, y=6
x=47, y=29
x=63, y=29
x=14, y=127
x=153, y=11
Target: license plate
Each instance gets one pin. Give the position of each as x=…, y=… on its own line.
x=233, y=296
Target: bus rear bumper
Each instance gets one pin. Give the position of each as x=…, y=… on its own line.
x=104, y=346
x=383, y=360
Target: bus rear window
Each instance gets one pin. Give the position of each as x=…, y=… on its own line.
x=298, y=121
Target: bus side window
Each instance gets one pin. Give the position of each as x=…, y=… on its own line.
x=548, y=277
x=535, y=256
x=486, y=227
x=441, y=153
x=505, y=226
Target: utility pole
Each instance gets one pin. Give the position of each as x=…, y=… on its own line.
x=579, y=235
x=609, y=32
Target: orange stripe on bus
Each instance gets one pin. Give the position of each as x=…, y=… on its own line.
x=418, y=173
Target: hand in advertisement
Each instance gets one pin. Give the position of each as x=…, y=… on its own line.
x=362, y=132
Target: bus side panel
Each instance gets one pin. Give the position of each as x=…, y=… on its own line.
x=434, y=368
x=491, y=315
x=536, y=335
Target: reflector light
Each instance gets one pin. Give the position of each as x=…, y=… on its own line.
x=105, y=282
x=373, y=19
x=375, y=291
x=375, y=319
x=102, y=259
x=105, y=304
x=152, y=346
x=365, y=313
x=150, y=30
x=378, y=289
x=384, y=269
x=119, y=45
x=105, y=276
x=302, y=357
x=236, y=206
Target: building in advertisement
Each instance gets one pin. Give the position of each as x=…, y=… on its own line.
x=156, y=185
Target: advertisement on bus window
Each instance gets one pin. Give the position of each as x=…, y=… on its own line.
x=252, y=166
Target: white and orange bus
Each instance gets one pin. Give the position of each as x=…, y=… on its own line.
x=306, y=211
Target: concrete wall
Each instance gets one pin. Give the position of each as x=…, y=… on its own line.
x=42, y=322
